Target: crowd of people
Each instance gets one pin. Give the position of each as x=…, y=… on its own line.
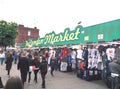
x=27, y=61
x=42, y=60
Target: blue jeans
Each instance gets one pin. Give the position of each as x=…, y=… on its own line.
x=2, y=60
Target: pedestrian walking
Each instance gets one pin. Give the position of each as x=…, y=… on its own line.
x=31, y=64
x=23, y=66
x=15, y=57
x=8, y=62
x=2, y=56
x=52, y=65
x=37, y=65
x=43, y=70
x=14, y=83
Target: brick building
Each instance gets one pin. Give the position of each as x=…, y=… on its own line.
x=25, y=33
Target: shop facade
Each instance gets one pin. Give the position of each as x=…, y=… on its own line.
x=105, y=32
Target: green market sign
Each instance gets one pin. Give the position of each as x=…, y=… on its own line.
x=66, y=36
x=52, y=39
x=107, y=32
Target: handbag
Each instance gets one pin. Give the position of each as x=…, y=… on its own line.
x=32, y=68
x=49, y=68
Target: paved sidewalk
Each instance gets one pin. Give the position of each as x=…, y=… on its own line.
x=59, y=81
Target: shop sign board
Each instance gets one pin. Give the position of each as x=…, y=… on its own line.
x=106, y=32
x=52, y=39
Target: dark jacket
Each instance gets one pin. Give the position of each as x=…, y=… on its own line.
x=23, y=64
x=37, y=64
x=114, y=68
x=43, y=66
x=8, y=62
x=31, y=62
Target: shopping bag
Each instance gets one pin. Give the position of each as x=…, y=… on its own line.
x=32, y=68
x=49, y=68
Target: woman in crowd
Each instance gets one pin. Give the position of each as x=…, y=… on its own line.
x=37, y=65
x=9, y=60
x=14, y=83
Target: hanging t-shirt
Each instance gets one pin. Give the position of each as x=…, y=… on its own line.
x=73, y=54
x=94, y=58
x=110, y=53
x=94, y=53
x=51, y=53
x=64, y=52
x=82, y=65
x=69, y=58
x=79, y=54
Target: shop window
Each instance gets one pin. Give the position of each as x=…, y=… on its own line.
x=100, y=36
x=86, y=38
x=29, y=33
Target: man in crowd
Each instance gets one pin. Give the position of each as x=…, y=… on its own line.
x=114, y=69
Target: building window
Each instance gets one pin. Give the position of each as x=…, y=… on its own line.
x=29, y=33
x=100, y=36
x=86, y=38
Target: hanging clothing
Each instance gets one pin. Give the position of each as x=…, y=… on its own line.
x=69, y=58
x=64, y=52
x=110, y=53
x=51, y=53
x=90, y=61
x=85, y=57
x=82, y=65
x=85, y=54
x=94, y=59
x=63, y=66
x=73, y=54
x=79, y=54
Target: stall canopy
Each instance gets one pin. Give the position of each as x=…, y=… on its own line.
x=105, y=32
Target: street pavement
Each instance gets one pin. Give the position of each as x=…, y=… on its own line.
x=61, y=80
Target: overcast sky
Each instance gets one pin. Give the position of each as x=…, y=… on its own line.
x=56, y=15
